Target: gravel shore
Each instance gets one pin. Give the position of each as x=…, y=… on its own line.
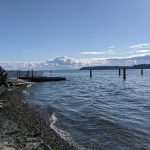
x=24, y=127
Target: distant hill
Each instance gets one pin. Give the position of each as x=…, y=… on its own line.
x=144, y=66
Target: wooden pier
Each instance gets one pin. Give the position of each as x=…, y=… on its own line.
x=43, y=79
x=33, y=76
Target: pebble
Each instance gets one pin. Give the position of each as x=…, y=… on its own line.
x=1, y=106
x=3, y=147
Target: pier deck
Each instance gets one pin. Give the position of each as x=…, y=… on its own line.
x=37, y=76
x=43, y=79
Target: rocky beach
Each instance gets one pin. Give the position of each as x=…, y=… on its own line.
x=23, y=126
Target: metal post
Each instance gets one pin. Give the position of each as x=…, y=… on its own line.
x=124, y=73
x=90, y=73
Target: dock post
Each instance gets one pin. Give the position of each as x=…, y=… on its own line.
x=90, y=73
x=124, y=73
x=32, y=75
x=119, y=71
x=50, y=72
x=141, y=71
x=17, y=74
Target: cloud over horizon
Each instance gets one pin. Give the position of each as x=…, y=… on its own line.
x=97, y=52
x=143, y=51
x=65, y=62
x=140, y=46
x=136, y=54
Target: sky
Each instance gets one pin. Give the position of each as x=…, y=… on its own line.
x=38, y=30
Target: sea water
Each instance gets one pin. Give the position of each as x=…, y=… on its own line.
x=103, y=112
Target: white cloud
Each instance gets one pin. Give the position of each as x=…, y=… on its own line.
x=138, y=55
x=97, y=52
x=91, y=53
x=142, y=51
x=112, y=47
x=64, y=62
x=93, y=61
x=140, y=46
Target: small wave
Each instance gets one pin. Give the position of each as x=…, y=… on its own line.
x=63, y=134
x=29, y=85
x=53, y=120
x=25, y=92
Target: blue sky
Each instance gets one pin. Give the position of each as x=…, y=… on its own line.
x=37, y=30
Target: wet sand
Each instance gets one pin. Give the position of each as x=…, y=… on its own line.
x=23, y=126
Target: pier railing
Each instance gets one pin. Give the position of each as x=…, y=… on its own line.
x=29, y=73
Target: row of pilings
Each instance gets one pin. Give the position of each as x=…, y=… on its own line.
x=124, y=72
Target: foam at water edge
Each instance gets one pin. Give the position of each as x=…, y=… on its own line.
x=25, y=92
x=63, y=134
x=29, y=85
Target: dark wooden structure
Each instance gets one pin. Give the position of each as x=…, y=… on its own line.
x=43, y=79
x=90, y=73
x=121, y=71
x=124, y=73
x=34, y=76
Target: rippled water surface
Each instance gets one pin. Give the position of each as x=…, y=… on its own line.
x=104, y=112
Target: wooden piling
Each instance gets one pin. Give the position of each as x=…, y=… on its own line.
x=119, y=71
x=124, y=73
x=50, y=72
x=141, y=71
x=17, y=74
x=90, y=73
x=32, y=73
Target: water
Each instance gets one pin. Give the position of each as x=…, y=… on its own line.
x=104, y=112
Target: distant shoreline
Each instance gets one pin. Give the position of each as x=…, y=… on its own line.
x=141, y=66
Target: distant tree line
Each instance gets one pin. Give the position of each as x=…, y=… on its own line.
x=140, y=66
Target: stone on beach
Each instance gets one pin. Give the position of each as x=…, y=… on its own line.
x=3, y=147
x=1, y=106
x=23, y=126
x=3, y=76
